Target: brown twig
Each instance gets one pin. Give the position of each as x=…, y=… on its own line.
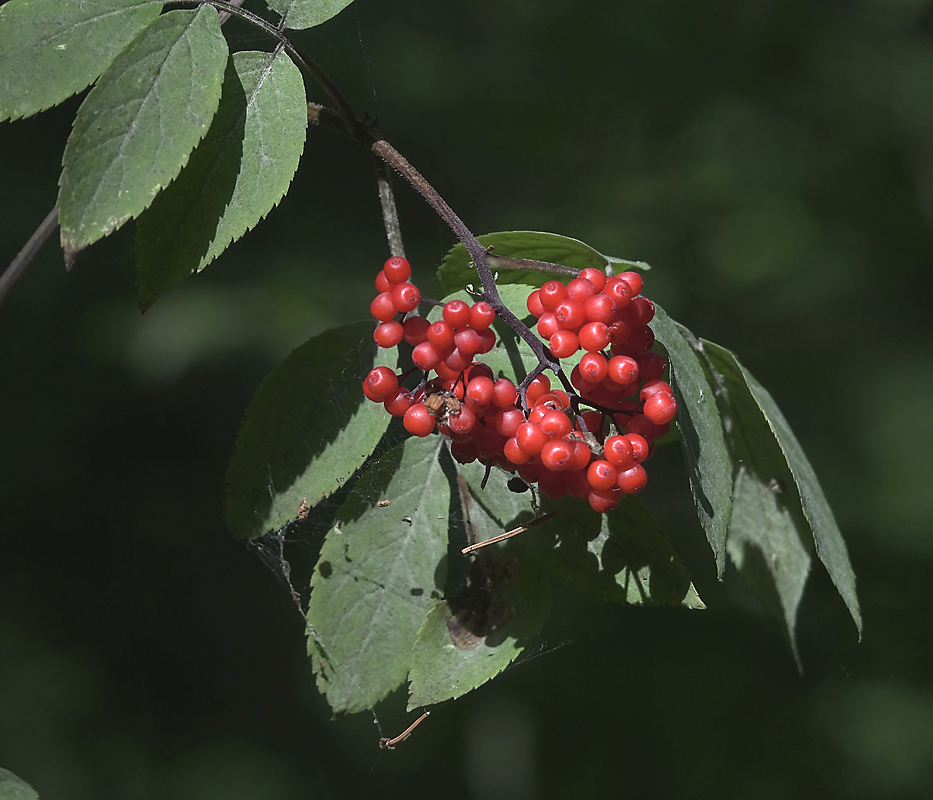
x=389, y=744
x=509, y=534
x=27, y=255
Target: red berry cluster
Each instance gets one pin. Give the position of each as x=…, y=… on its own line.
x=548, y=444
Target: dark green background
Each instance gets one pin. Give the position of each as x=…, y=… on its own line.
x=772, y=160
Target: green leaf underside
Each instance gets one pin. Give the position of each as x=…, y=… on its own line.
x=622, y=556
x=769, y=537
x=12, y=787
x=50, y=49
x=380, y=572
x=457, y=271
x=702, y=440
x=235, y=176
x=510, y=357
x=489, y=618
x=779, y=464
x=300, y=14
x=137, y=127
x=306, y=431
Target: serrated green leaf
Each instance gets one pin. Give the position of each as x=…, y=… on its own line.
x=382, y=568
x=50, y=49
x=300, y=14
x=709, y=464
x=235, y=176
x=457, y=271
x=622, y=556
x=307, y=430
x=770, y=454
x=12, y=787
x=137, y=127
x=769, y=537
x=510, y=357
x=467, y=641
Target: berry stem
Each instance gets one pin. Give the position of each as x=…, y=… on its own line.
x=529, y=265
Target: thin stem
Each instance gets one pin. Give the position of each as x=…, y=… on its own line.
x=476, y=251
x=30, y=250
x=530, y=265
x=508, y=534
x=389, y=209
x=389, y=744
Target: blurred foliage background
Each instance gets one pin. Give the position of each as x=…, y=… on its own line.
x=772, y=160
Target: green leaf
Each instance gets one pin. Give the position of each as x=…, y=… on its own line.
x=301, y=14
x=382, y=568
x=457, y=271
x=234, y=177
x=709, y=464
x=621, y=556
x=468, y=640
x=12, y=787
x=137, y=127
x=307, y=430
x=785, y=485
x=510, y=357
x=50, y=49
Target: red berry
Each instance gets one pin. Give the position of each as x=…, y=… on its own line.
x=406, y=297
x=482, y=315
x=595, y=276
x=508, y=421
x=643, y=425
x=563, y=344
x=603, y=500
x=457, y=361
x=380, y=383
x=535, y=307
x=425, y=356
x=570, y=314
x=397, y=269
x=468, y=341
x=620, y=291
x=581, y=456
x=633, y=479
x=599, y=308
x=661, y=408
x=480, y=390
x=514, y=453
x=594, y=336
x=551, y=294
x=462, y=422
x=653, y=387
x=623, y=370
x=416, y=330
x=382, y=307
x=388, y=334
x=441, y=335
x=639, y=312
x=547, y=325
x=640, y=339
x=618, y=451
x=504, y=393
x=579, y=289
x=634, y=280
x=530, y=438
x=555, y=424
x=418, y=420
x=487, y=340
x=651, y=365
x=619, y=333
x=593, y=367
x=539, y=386
x=601, y=474
x=398, y=403
x=639, y=446
x=557, y=454
x=382, y=282
x=457, y=313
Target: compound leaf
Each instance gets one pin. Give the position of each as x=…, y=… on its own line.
x=381, y=570
x=709, y=464
x=306, y=431
x=457, y=270
x=50, y=49
x=300, y=14
x=782, y=511
x=137, y=127
x=234, y=177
